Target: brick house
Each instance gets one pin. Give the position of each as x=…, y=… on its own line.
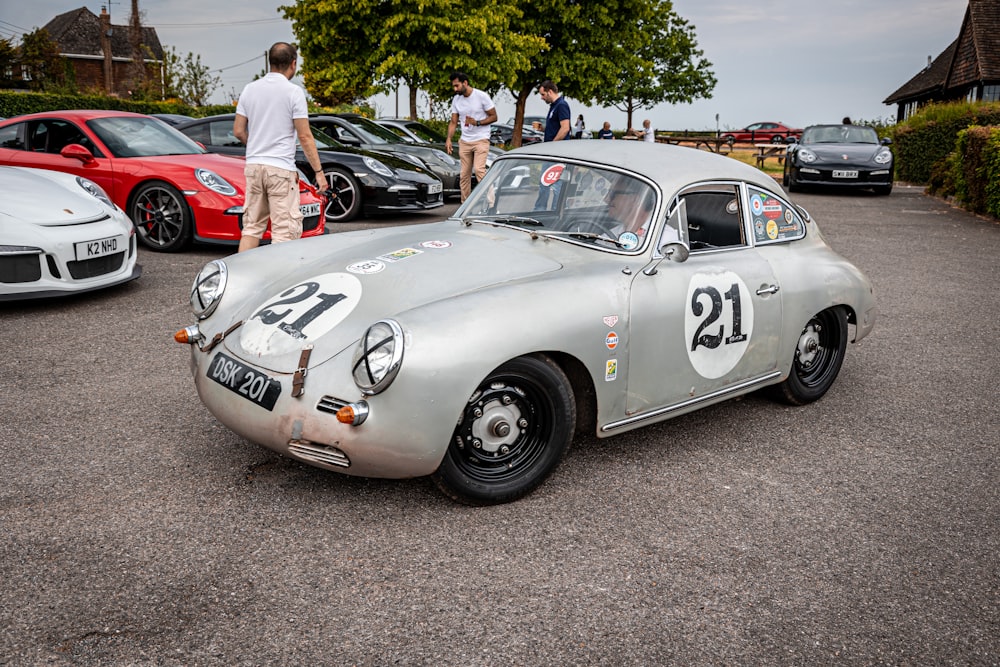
x=100, y=52
x=969, y=69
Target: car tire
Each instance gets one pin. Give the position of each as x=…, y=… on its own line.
x=729, y=139
x=777, y=139
x=161, y=217
x=346, y=205
x=512, y=433
x=819, y=355
x=784, y=179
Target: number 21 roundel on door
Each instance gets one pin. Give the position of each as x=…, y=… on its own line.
x=718, y=322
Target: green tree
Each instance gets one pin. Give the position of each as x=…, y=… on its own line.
x=352, y=49
x=587, y=43
x=8, y=60
x=40, y=54
x=669, y=67
x=188, y=79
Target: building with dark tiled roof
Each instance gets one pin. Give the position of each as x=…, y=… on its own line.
x=969, y=69
x=101, y=52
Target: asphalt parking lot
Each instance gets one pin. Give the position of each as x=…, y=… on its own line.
x=862, y=529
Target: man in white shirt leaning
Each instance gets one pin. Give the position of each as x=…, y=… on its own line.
x=475, y=110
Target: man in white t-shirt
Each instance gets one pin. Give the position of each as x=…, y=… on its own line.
x=475, y=110
x=271, y=112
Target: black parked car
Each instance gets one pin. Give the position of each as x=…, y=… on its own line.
x=362, y=181
x=360, y=132
x=415, y=132
x=840, y=155
x=502, y=133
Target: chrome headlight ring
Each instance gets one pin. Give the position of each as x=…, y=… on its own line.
x=208, y=288
x=378, y=357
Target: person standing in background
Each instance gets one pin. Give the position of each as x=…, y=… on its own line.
x=475, y=110
x=270, y=113
x=557, y=122
x=579, y=127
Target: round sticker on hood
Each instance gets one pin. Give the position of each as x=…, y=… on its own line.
x=294, y=317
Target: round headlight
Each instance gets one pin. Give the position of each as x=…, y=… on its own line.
x=378, y=357
x=806, y=155
x=206, y=292
x=883, y=156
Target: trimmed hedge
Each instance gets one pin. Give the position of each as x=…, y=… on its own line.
x=17, y=103
x=924, y=140
x=971, y=173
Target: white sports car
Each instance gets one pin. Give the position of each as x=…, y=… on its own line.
x=591, y=285
x=60, y=234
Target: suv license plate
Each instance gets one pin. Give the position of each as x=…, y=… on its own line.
x=245, y=381
x=845, y=174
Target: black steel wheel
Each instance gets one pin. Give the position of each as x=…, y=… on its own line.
x=344, y=203
x=777, y=139
x=161, y=217
x=511, y=435
x=819, y=355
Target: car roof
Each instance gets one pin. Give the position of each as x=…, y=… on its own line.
x=671, y=167
x=79, y=114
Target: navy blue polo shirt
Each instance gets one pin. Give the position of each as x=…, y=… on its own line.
x=558, y=112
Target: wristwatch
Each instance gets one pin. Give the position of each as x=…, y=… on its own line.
x=477, y=123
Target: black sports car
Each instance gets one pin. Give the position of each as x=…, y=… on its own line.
x=840, y=155
x=362, y=181
x=361, y=132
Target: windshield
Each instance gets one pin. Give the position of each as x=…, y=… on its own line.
x=425, y=133
x=127, y=136
x=584, y=204
x=322, y=139
x=839, y=134
x=373, y=132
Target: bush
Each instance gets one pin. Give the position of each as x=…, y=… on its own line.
x=17, y=103
x=923, y=140
x=971, y=172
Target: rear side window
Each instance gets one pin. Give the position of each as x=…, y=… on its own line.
x=9, y=137
x=773, y=219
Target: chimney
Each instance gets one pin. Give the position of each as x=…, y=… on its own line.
x=106, y=32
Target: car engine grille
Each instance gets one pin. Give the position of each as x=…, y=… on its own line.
x=20, y=268
x=319, y=453
x=89, y=268
x=407, y=198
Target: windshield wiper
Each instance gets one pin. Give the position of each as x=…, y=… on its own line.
x=504, y=219
x=583, y=235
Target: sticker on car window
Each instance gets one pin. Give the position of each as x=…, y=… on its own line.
x=287, y=321
x=552, y=174
x=773, y=219
x=718, y=322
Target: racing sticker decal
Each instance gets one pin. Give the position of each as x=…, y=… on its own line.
x=757, y=205
x=367, y=266
x=718, y=322
x=552, y=174
x=287, y=321
x=397, y=255
x=772, y=229
x=611, y=340
x=611, y=370
x=611, y=320
x=440, y=245
x=628, y=240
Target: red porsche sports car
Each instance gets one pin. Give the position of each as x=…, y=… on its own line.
x=171, y=188
x=763, y=133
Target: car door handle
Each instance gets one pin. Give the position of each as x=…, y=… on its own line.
x=769, y=289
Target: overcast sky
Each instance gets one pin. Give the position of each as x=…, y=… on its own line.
x=796, y=61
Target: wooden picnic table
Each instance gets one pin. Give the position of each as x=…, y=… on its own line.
x=765, y=151
x=714, y=144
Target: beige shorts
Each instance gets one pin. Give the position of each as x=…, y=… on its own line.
x=272, y=193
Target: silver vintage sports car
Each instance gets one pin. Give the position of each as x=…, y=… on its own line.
x=595, y=286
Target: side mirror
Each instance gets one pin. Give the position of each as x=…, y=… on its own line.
x=78, y=152
x=790, y=139
x=676, y=252
x=349, y=139
x=886, y=141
